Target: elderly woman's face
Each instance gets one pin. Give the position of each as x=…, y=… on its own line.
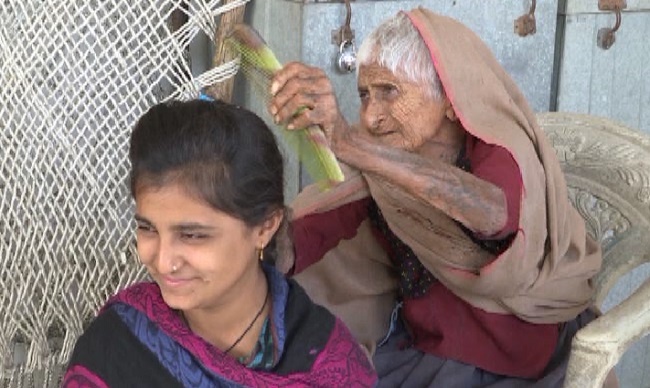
x=397, y=112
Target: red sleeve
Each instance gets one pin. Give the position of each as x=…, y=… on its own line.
x=496, y=165
x=315, y=234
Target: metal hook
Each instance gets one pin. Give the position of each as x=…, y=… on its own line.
x=348, y=16
x=606, y=36
x=618, y=20
x=525, y=24
x=345, y=32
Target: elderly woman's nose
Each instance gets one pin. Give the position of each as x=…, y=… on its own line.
x=373, y=116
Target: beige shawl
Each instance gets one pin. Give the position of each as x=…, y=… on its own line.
x=542, y=278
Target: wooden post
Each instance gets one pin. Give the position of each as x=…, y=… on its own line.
x=223, y=90
x=176, y=21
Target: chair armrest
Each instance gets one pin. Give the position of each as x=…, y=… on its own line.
x=597, y=347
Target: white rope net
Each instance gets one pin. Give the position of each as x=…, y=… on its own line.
x=74, y=77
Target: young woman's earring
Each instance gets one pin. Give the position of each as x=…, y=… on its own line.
x=261, y=254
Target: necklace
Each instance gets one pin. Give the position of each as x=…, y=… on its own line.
x=250, y=325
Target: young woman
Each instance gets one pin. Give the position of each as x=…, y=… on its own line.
x=207, y=178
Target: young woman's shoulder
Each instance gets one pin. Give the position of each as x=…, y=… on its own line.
x=109, y=354
x=318, y=341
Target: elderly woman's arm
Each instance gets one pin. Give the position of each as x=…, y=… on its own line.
x=476, y=203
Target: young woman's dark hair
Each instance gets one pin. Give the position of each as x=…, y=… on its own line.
x=223, y=154
x=211, y=303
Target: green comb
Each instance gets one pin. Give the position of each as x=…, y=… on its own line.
x=258, y=64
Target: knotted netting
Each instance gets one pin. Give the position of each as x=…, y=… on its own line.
x=74, y=77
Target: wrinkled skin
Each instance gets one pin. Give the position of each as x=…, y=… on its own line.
x=404, y=137
x=397, y=113
x=296, y=86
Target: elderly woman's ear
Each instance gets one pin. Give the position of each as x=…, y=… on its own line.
x=449, y=111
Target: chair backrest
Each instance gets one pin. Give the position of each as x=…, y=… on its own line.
x=607, y=168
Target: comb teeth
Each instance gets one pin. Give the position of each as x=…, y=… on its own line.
x=258, y=63
x=247, y=36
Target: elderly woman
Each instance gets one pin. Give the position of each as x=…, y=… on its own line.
x=217, y=314
x=455, y=206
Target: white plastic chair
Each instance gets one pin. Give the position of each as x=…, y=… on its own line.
x=607, y=167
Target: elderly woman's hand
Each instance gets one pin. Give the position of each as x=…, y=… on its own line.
x=303, y=96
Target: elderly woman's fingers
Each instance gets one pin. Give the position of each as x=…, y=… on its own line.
x=308, y=117
x=297, y=84
x=307, y=109
x=303, y=96
x=299, y=91
x=289, y=71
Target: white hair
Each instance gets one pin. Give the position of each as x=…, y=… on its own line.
x=397, y=45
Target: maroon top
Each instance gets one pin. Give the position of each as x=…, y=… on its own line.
x=440, y=322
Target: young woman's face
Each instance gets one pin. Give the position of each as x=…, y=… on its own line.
x=397, y=112
x=215, y=255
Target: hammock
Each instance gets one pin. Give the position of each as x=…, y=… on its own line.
x=74, y=77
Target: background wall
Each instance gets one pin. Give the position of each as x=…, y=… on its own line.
x=613, y=83
x=301, y=30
